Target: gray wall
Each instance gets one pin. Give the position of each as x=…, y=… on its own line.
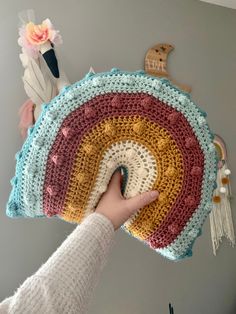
x=106, y=34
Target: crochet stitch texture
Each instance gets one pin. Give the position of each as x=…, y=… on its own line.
x=140, y=123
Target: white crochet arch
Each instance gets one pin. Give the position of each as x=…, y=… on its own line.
x=140, y=164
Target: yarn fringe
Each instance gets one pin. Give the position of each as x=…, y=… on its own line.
x=221, y=221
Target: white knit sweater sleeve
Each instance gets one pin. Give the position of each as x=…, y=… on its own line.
x=65, y=283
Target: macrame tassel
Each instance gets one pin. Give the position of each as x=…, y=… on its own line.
x=220, y=217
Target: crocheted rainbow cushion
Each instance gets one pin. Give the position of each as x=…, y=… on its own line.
x=143, y=124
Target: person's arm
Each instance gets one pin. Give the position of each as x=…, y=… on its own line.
x=66, y=281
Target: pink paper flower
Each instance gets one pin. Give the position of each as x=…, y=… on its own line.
x=32, y=36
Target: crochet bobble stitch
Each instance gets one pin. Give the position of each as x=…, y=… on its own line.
x=119, y=119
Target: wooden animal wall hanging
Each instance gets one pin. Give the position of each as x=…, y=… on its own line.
x=156, y=63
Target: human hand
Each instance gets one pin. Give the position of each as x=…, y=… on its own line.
x=116, y=208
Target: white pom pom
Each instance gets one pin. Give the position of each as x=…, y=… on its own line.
x=201, y=121
x=111, y=164
x=183, y=99
x=142, y=172
x=223, y=190
x=30, y=199
x=70, y=94
x=97, y=81
x=227, y=172
x=157, y=84
x=130, y=153
x=51, y=115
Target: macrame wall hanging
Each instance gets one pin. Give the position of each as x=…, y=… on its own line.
x=78, y=134
x=221, y=222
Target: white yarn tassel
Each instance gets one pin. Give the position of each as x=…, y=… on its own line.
x=221, y=217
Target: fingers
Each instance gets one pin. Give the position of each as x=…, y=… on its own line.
x=121, y=178
x=115, y=182
x=141, y=200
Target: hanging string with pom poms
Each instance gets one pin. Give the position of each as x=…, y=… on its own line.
x=221, y=221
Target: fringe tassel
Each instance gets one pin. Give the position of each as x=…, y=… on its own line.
x=221, y=221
